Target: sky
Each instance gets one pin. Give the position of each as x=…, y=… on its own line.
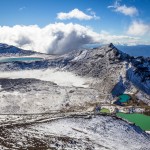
x=57, y=26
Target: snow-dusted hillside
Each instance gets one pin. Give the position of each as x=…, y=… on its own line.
x=73, y=132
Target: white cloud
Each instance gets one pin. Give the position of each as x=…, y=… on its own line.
x=128, y=11
x=93, y=13
x=118, y=39
x=57, y=38
x=53, y=38
x=76, y=14
x=138, y=29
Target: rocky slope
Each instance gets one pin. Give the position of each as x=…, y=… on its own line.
x=74, y=132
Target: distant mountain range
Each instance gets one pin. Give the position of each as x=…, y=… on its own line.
x=138, y=50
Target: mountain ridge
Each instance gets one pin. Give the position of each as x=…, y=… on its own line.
x=106, y=65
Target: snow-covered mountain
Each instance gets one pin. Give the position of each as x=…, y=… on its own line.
x=109, y=68
x=52, y=100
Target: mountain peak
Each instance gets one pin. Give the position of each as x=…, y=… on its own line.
x=111, y=45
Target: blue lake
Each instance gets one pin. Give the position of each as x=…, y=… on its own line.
x=23, y=59
x=124, y=98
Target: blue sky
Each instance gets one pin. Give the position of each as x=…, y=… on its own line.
x=114, y=18
x=43, y=12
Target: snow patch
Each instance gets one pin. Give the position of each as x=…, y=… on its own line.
x=81, y=56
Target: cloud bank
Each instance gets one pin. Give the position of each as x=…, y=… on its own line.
x=76, y=14
x=138, y=29
x=128, y=11
x=53, y=39
x=58, y=38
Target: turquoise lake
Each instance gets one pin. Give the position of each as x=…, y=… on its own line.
x=23, y=59
x=124, y=98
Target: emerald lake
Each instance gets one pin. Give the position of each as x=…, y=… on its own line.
x=140, y=120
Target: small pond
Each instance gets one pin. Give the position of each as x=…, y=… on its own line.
x=104, y=110
x=124, y=98
x=140, y=120
x=23, y=59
